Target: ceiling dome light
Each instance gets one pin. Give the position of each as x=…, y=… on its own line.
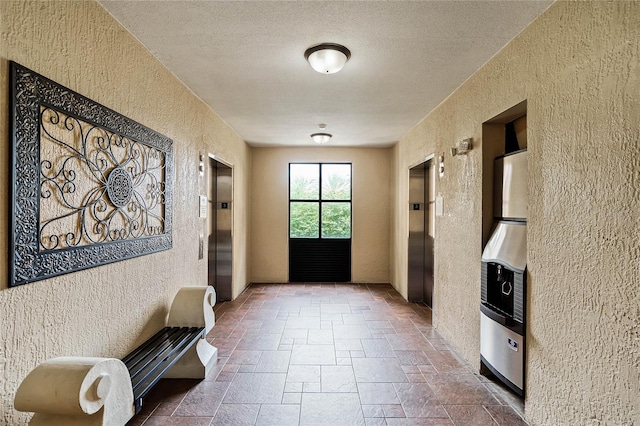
x=321, y=138
x=327, y=58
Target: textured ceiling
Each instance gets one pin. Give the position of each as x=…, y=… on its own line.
x=246, y=59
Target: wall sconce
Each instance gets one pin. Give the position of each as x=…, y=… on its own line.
x=462, y=147
x=441, y=165
x=201, y=164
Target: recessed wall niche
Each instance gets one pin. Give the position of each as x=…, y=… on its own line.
x=503, y=278
x=504, y=133
x=89, y=186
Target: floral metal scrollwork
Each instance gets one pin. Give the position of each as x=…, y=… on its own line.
x=90, y=186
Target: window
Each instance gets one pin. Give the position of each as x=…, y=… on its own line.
x=319, y=200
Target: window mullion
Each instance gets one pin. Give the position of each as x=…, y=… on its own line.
x=320, y=201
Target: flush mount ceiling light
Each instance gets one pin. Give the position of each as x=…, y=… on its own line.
x=321, y=138
x=327, y=58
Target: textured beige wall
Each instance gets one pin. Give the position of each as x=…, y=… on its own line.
x=578, y=68
x=370, y=203
x=104, y=311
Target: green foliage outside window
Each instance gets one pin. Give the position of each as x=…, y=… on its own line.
x=336, y=182
x=304, y=220
x=304, y=182
x=336, y=220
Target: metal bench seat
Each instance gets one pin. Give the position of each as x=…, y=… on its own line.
x=152, y=359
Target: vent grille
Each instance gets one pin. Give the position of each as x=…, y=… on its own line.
x=518, y=297
x=319, y=260
x=483, y=290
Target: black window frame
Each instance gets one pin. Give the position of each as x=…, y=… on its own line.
x=319, y=201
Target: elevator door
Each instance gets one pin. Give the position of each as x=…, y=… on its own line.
x=429, y=240
x=421, y=232
x=220, y=208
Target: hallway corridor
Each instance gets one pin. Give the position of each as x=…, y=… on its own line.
x=330, y=354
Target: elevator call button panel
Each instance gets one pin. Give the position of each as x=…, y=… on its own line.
x=203, y=207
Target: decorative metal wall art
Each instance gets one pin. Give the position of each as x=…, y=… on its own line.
x=89, y=186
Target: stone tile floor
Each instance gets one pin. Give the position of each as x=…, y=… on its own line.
x=330, y=354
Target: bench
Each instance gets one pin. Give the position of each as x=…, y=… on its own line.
x=109, y=391
x=151, y=360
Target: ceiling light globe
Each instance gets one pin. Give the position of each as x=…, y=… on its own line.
x=327, y=61
x=321, y=138
x=327, y=58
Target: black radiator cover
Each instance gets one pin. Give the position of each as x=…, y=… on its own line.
x=319, y=260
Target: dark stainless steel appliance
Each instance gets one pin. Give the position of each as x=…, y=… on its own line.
x=503, y=288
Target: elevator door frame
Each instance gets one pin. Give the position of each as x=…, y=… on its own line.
x=219, y=228
x=421, y=238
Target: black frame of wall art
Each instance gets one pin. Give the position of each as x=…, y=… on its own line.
x=89, y=186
